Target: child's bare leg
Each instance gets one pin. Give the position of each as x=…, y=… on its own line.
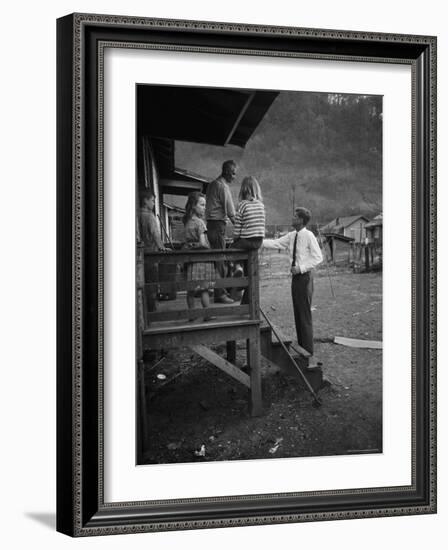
x=238, y=271
x=205, y=298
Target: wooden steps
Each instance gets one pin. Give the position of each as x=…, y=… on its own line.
x=276, y=356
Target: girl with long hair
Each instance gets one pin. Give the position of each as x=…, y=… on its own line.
x=196, y=238
x=250, y=219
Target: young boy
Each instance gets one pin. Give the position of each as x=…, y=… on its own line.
x=305, y=255
x=149, y=234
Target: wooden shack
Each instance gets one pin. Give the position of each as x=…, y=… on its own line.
x=339, y=248
x=166, y=114
x=348, y=226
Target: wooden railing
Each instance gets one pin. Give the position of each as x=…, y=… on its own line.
x=177, y=311
x=171, y=325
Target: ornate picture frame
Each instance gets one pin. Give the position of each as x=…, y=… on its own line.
x=81, y=506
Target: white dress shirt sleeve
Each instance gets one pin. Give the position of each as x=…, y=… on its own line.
x=281, y=243
x=314, y=255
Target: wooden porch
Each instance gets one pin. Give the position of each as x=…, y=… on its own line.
x=173, y=325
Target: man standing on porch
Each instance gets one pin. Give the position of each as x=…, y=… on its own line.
x=219, y=208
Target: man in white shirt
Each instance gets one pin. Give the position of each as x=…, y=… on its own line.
x=305, y=255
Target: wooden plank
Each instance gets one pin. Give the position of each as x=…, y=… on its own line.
x=222, y=364
x=228, y=282
x=354, y=343
x=206, y=255
x=155, y=316
x=190, y=327
x=287, y=341
x=239, y=117
x=253, y=290
x=301, y=351
x=201, y=334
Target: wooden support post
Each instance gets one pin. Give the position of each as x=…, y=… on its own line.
x=254, y=289
x=367, y=256
x=253, y=343
x=142, y=416
x=141, y=314
x=254, y=363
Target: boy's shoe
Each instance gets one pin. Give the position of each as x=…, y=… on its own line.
x=238, y=271
x=313, y=364
x=224, y=300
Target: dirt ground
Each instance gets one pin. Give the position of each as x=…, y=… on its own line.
x=193, y=406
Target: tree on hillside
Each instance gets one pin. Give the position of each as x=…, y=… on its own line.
x=323, y=150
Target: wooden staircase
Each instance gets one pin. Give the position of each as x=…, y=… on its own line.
x=277, y=358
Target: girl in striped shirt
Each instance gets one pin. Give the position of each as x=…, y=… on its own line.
x=248, y=231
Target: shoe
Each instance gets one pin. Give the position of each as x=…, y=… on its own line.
x=224, y=300
x=314, y=365
x=210, y=318
x=236, y=294
x=238, y=271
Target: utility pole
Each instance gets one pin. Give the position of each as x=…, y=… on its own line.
x=293, y=197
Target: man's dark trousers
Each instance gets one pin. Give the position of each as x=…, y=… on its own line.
x=216, y=233
x=302, y=294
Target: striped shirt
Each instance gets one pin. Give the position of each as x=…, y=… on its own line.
x=249, y=220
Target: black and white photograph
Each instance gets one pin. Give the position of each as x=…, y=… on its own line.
x=259, y=264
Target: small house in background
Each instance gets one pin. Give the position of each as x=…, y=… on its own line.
x=374, y=230
x=339, y=248
x=353, y=227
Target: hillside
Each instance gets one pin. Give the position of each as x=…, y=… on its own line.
x=320, y=150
